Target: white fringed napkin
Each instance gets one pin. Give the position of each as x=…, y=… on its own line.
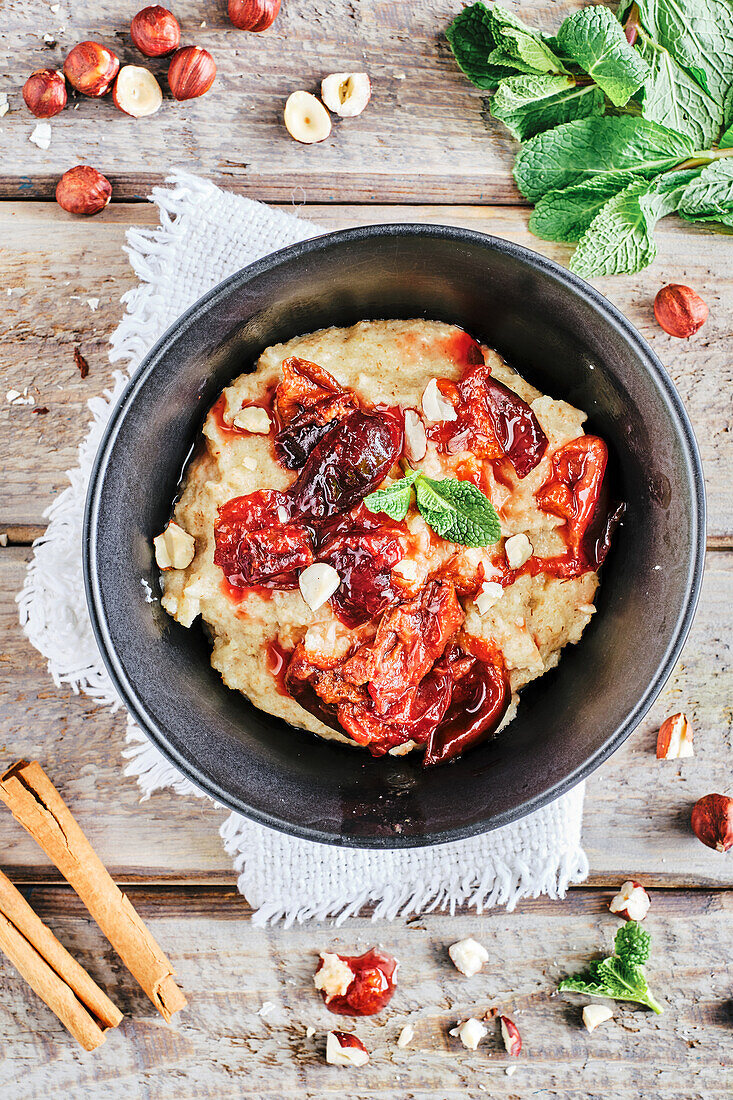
x=206, y=234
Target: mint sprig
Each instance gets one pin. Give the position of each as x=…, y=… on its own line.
x=621, y=975
x=456, y=510
x=615, y=112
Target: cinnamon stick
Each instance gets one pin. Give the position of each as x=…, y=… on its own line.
x=49, y=986
x=16, y=910
x=34, y=801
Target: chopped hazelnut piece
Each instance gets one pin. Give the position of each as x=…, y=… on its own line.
x=468, y=956
x=470, y=1032
x=435, y=406
x=317, y=584
x=416, y=441
x=334, y=977
x=593, y=1015
x=490, y=593
x=344, y=1049
x=406, y=1036
x=631, y=902
x=174, y=548
x=253, y=419
x=518, y=550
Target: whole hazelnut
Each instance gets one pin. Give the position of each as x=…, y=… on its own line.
x=83, y=190
x=44, y=93
x=679, y=310
x=155, y=31
x=191, y=72
x=253, y=15
x=712, y=821
x=91, y=68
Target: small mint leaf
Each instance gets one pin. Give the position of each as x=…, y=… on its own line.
x=595, y=40
x=458, y=511
x=395, y=500
x=529, y=103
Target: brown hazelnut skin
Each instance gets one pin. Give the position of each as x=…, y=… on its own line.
x=91, y=68
x=679, y=310
x=44, y=93
x=191, y=72
x=712, y=821
x=83, y=190
x=155, y=31
x=253, y=15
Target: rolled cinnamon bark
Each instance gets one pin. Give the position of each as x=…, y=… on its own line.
x=34, y=801
x=49, y=986
x=16, y=910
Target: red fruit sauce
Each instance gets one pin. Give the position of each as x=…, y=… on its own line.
x=374, y=983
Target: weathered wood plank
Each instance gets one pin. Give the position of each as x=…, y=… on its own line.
x=52, y=265
x=637, y=809
x=221, y=1045
x=421, y=138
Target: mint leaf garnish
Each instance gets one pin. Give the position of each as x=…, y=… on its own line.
x=471, y=39
x=594, y=39
x=699, y=36
x=671, y=96
x=605, y=105
x=395, y=500
x=576, y=151
x=620, y=237
x=456, y=510
x=619, y=975
x=711, y=192
x=523, y=43
x=565, y=215
x=529, y=103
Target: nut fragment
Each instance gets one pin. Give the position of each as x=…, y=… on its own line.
x=631, y=902
x=191, y=72
x=593, y=1015
x=346, y=94
x=333, y=976
x=470, y=1032
x=489, y=594
x=253, y=419
x=518, y=550
x=306, y=119
x=344, y=1049
x=44, y=93
x=416, y=441
x=41, y=135
x=317, y=584
x=679, y=310
x=406, y=1036
x=91, y=68
x=253, y=15
x=435, y=406
x=712, y=821
x=674, y=740
x=83, y=190
x=468, y=956
x=510, y=1036
x=155, y=31
x=174, y=548
x=136, y=91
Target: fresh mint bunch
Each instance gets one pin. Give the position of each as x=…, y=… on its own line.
x=456, y=510
x=619, y=975
x=624, y=119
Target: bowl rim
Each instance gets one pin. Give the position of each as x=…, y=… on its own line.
x=294, y=252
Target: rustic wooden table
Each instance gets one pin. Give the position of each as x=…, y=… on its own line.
x=421, y=152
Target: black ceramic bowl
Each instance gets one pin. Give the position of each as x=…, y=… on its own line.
x=564, y=337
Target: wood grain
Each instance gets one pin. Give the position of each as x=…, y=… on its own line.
x=637, y=809
x=52, y=265
x=222, y=1046
x=423, y=136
